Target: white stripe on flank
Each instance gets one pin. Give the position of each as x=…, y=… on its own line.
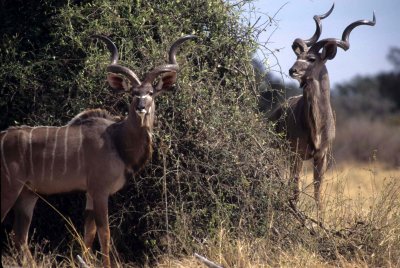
x=21, y=149
x=65, y=149
x=54, y=154
x=44, y=153
x=79, y=148
x=30, y=150
x=3, y=158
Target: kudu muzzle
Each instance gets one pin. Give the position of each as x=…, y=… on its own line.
x=141, y=110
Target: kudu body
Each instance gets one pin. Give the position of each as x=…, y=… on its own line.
x=308, y=119
x=92, y=153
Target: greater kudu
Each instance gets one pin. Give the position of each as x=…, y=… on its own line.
x=308, y=119
x=92, y=153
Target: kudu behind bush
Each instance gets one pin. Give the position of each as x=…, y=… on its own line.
x=308, y=120
x=92, y=153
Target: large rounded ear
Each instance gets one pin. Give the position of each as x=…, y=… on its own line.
x=117, y=82
x=329, y=51
x=299, y=46
x=166, y=82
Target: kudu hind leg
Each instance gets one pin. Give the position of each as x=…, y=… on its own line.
x=23, y=212
x=9, y=195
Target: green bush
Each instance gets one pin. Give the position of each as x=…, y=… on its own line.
x=212, y=166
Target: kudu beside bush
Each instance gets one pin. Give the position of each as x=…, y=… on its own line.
x=308, y=119
x=92, y=153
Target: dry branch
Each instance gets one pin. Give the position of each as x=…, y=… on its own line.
x=82, y=263
x=207, y=262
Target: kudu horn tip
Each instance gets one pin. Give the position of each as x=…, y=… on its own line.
x=323, y=16
x=373, y=19
x=189, y=36
x=110, y=45
x=99, y=36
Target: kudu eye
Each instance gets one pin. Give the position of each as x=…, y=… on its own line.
x=311, y=59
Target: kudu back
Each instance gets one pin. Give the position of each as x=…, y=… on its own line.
x=308, y=120
x=92, y=153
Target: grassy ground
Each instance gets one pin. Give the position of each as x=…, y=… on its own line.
x=353, y=193
x=356, y=183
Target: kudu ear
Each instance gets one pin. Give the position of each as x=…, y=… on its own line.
x=329, y=51
x=166, y=82
x=117, y=82
x=299, y=46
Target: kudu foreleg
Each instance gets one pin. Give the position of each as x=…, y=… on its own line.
x=294, y=181
x=23, y=212
x=320, y=165
x=90, y=224
x=90, y=229
x=100, y=213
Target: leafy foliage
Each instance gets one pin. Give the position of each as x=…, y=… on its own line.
x=213, y=164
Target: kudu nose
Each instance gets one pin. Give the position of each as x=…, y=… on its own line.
x=292, y=71
x=140, y=107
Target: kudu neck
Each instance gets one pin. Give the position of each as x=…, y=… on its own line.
x=318, y=113
x=318, y=84
x=134, y=141
x=134, y=134
x=134, y=124
x=324, y=82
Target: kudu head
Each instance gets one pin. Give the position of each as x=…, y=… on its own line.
x=310, y=59
x=121, y=78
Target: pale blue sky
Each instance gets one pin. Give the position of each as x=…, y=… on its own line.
x=369, y=46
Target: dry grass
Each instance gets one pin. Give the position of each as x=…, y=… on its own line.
x=357, y=183
x=359, y=199
x=353, y=195
x=255, y=254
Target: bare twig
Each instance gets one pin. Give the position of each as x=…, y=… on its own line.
x=207, y=262
x=81, y=262
x=303, y=218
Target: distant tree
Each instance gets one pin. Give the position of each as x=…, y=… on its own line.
x=394, y=58
x=375, y=95
x=361, y=97
x=367, y=109
x=389, y=83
